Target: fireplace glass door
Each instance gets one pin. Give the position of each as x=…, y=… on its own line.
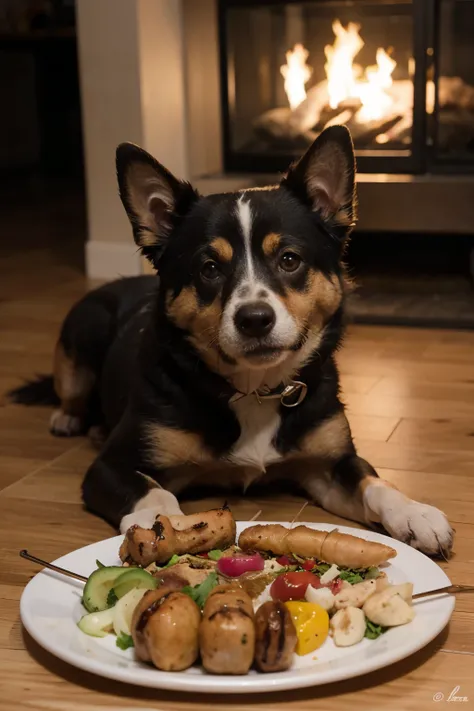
x=290, y=69
x=450, y=100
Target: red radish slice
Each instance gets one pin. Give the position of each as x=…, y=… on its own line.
x=236, y=565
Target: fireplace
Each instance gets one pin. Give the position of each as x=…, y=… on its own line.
x=399, y=74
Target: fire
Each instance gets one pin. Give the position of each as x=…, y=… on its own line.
x=372, y=93
x=339, y=66
x=345, y=79
x=296, y=73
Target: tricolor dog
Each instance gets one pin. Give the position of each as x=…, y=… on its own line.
x=220, y=370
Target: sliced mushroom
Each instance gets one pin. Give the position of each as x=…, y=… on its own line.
x=348, y=626
x=382, y=582
x=405, y=590
x=388, y=608
x=356, y=595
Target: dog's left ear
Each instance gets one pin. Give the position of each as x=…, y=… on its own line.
x=324, y=178
x=153, y=198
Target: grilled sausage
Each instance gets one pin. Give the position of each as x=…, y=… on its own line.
x=331, y=546
x=197, y=533
x=227, y=631
x=275, y=637
x=165, y=628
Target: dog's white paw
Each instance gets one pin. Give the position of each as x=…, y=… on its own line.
x=419, y=525
x=63, y=425
x=156, y=502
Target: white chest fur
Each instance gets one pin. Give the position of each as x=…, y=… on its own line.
x=259, y=424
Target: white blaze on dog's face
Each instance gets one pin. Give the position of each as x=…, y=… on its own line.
x=256, y=325
x=253, y=277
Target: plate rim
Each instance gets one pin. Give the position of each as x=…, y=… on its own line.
x=239, y=684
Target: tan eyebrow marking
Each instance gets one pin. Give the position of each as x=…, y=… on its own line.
x=223, y=248
x=270, y=243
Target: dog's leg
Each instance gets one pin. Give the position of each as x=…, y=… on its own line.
x=350, y=487
x=124, y=496
x=73, y=384
x=116, y=489
x=353, y=489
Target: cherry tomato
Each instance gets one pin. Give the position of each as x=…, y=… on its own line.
x=308, y=564
x=335, y=586
x=292, y=586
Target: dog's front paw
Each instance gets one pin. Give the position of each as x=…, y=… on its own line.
x=419, y=525
x=64, y=425
x=157, y=502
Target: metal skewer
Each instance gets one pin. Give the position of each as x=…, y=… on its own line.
x=24, y=554
x=448, y=589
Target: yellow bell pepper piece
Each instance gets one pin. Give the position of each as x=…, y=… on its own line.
x=312, y=625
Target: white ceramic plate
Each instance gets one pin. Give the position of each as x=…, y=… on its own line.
x=51, y=606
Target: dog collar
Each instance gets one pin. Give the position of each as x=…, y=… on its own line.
x=290, y=394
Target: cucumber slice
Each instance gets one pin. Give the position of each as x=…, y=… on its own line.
x=134, y=578
x=124, y=609
x=98, y=587
x=97, y=624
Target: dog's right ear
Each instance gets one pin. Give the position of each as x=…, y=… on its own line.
x=153, y=198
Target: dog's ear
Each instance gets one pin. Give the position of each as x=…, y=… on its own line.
x=153, y=198
x=324, y=178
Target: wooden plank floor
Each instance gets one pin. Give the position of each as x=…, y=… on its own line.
x=410, y=398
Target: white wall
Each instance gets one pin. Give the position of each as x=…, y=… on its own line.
x=132, y=89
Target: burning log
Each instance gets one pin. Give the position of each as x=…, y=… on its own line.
x=375, y=108
x=365, y=134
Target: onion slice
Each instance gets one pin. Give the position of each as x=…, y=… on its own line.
x=233, y=566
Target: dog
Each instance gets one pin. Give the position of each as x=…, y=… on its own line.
x=220, y=370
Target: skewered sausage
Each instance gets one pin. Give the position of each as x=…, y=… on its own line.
x=227, y=631
x=330, y=546
x=197, y=533
x=165, y=628
x=275, y=637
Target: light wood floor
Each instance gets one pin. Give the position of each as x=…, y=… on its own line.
x=410, y=397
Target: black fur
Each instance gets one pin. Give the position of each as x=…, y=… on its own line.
x=35, y=392
x=148, y=368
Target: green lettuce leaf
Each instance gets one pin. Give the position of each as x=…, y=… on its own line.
x=351, y=576
x=199, y=593
x=172, y=561
x=124, y=641
x=373, y=631
x=215, y=554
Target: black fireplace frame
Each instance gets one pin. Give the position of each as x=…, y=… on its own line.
x=420, y=158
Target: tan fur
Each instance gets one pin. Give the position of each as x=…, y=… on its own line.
x=72, y=383
x=171, y=447
x=270, y=243
x=223, y=249
x=329, y=440
x=317, y=303
x=202, y=322
x=183, y=309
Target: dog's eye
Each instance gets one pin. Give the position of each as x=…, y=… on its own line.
x=289, y=261
x=210, y=270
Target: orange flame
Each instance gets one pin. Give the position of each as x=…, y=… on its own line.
x=296, y=73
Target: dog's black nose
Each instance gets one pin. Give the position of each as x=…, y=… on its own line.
x=255, y=319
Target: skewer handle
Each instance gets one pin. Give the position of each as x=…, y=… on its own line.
x=448, y=589
x=24, y=554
